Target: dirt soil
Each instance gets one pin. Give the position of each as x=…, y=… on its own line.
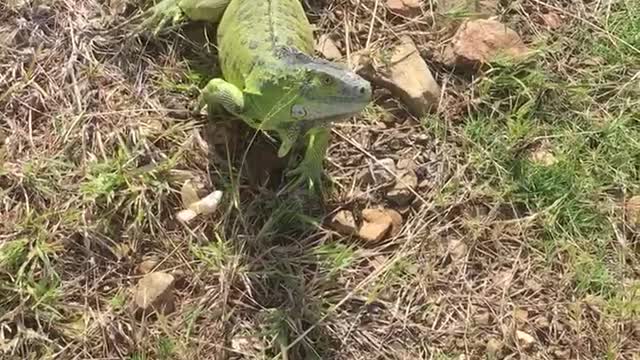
x=520, y=242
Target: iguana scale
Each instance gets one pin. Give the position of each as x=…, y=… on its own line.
x=272, y=81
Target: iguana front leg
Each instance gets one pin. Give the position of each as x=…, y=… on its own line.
x=221, y=93
x=175, y=11
x=310, y=168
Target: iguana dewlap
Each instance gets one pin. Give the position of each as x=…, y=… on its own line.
x=271, y=80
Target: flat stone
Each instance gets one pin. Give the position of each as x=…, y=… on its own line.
x=396, y=222
x=408, y=78
x=403, y=193
x=525, y=339
x=155, y=293
x=404, y=7
x=494, y=346
x=552, y=20
x=328, y=48
x=458, y=249
x=146, y=266
x=376, y=225
x=543, y=157
x=383, y=171
x=344, y=222
x=481, y=41
x=632, y=209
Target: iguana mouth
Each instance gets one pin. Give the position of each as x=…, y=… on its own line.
x=325, y=121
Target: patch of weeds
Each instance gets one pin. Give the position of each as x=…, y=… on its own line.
x=166, y=348
x=334, y=257
x=12, y=254
x=373, y=112
x=121, y=186
x=118, y=301
x=624, y=24
x=526, y=105
x=215, y=255
x=275, y=330
x=625, y=304
x=192, y=81
x=44, y=178
x=30, y=284
x=488, y=151
x=289, y=216
x=434, y=125
x=104, y=181
x=400, y=273
x=440, y=355
x=592, y=276
x=138, y=356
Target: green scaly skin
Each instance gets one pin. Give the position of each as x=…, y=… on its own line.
x=271, y=80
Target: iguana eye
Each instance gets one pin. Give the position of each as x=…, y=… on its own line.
x=298, y=111
x=327, y=80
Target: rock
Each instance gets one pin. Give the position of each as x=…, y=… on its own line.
x=344, y=223
x=521, y=315
x=384, y=170
x=457, y=248
x=481, y=41
x=543, y=157
x=15, y=5
x=552, y=20
x=376, y=225
x=404, y=7
x=494, y=346
x=406, y=164
x=328, y=48
x=195, y=206
x=146, y=266
x=188, y=193
x=403, y=193
x=247, y=344
x=155, y=293
x=396, y=222
x=503, y=279
x=525, y=339
x=562, y=353
x=361, y=62
x=482, y=318
x=150, y=127
x=118, y=7
x=408, y=77
x=632, y=209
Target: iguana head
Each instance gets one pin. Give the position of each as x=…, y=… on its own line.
x=327, y=92
x=297, y=92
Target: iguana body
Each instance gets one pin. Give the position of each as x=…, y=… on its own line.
x=271, y=80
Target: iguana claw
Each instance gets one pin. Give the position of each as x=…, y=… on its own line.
x=311, y=174
x=310, y=168
x=163, y=13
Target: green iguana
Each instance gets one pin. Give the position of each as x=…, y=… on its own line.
x=271, y=79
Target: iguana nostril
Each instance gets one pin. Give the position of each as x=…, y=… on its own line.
x=363, y=90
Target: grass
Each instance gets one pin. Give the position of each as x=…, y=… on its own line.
x=528, y=166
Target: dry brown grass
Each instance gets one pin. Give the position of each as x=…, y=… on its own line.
x=98, y=140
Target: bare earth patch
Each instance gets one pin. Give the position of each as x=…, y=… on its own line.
x=513, y=231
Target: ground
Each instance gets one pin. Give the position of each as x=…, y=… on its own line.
x=519, y=246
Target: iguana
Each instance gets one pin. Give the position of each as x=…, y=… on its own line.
x=272, y=81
